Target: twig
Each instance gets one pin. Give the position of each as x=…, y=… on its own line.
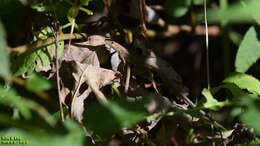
x=56, y=37
x=128, y=74
x=155, y=88
x=207, y=42
x=71, y=31
x=41, y=43
x=77, y=88
x=142, y=12
x=174, y=141
x=212, y=133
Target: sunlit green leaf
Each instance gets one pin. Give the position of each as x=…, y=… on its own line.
x=244, y=81
x=211, y=102
x=248, y=51
x=177, y=8
x=4, y=62
x=39, y=59
x=234, y=89
x=25, y=63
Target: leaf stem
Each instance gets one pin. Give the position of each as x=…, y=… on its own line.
x=56, y=37
x=207, y=43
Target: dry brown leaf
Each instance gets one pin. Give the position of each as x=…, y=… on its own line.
x=81, y=66
x=95, y=77
x=77, y=107
x=80, y=54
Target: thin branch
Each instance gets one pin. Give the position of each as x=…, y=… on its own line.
x=128, y=74
x=155, y=87
x=142, y=12
x=56, y=37
x=71, y=31
x=207, y=42
x=41, y=43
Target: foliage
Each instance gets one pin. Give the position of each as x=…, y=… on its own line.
x=212, y=103
x=244, y=81
x=250, y=117
x=177, y=8
x=38, y=137
x=10, y=98
x=248, y=51
x=23, y=77
x=4, y=63
x=240, y=12
x=38, y=83
x=253, y=143
x=117, y=114
x=38, y=59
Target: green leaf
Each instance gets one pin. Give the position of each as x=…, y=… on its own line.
x=43, y=59
x=212, y=103
x=39, y=59
x=4, y=62
x=235, y=37
x=251, y=116
x=73, y=12
x=41, y=5
x=85, y=2
x=244, y=81
x=56, y=115
x=252, y=143
x=177, y=8
x=10, y=98
x=105, y=119
x=43, y=137
x=25, y=63
x=197, y=2
x=37, y=83
x=42, y=112
x=248, y=51
x=233, y=88
x=75, y=25
x=86, y=11
x=236, y=13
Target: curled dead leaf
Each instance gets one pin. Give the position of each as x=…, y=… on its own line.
x=95, y=77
